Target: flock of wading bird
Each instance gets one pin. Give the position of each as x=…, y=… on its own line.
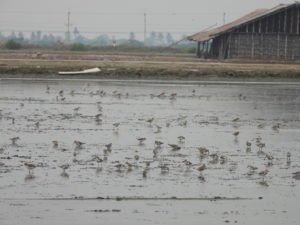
x=145, y=166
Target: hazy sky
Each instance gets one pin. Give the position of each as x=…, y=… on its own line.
x=119, y=17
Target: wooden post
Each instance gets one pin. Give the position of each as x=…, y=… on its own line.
x=259, y=27
x=229, y=45
x=252, y=48
x=292, y=21
x=198, y=49
x=285, y=46
x=279, y=19
x=261, y=45
x=278, y=46
x=238, y=45
x=285, y=21
x=297, y=22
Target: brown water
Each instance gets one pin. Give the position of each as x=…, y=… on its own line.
x=202, y=113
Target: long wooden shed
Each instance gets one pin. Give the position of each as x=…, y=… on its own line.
x=262, y=34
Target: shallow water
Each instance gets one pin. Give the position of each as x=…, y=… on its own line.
x=202, y=113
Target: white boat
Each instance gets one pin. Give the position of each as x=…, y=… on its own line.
x=93, y=70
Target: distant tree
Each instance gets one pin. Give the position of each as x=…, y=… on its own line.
x=161, y=38
x=45, y=39
x=51, y=38
x=76, y=32
x=33, y=36
x=38, y=35
x=12, y=44
x=77, y=47
x=169, y=38
x=153, y=35
x=131, y=36
x=20, y=36
x=13, y=35
x=79, y=39
x=103, y=40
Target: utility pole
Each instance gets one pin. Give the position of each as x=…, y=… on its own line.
x=145, y=27
x=224, y=18
x=68, y=26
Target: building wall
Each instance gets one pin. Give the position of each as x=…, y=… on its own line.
x=265, y=46
x=275, y=36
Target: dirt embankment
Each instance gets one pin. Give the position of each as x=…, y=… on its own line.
x=144, y=67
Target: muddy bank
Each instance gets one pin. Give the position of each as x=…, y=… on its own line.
x=147, y=70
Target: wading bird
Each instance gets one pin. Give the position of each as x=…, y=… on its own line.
x=141, y=140
x=30, y=167
x=174, y=147
x=14, y=140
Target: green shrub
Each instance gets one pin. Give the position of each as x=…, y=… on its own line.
x=12, y=44
x=77, y=47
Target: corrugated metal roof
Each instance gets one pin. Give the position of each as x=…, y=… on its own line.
x=259, y=13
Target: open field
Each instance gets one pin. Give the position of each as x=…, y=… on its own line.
x=163, y=185
x=182, y=67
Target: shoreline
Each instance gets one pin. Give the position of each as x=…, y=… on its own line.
x=155, y=68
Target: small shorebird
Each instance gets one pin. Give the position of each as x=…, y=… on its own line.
x=98, y=115
x=150, y=120
x=260, y=146
x=174, y=147
x=248, y=144
x=99, y=160
x=288, y=157
x=223, y=159
x=116, y=125
x=119, y=167
x=78, y=144
x=187, y=163
x=76, y=109
x=30, y=167
x=181, y=139
x=147, y=164
x=263, y=173
x=61, y=93
x=173, y=96
x=252, y=167
x=136, y=157
x=37, y=125
x=269, y=157
x=141, y=140
x=201, y=168
x=158, y=129
x=164, y=168
x=201, y=178
x=55, y=144
x=145, y=173
x=129, y=166
x=14, y=140
x=108, y=147
x=236, y=133
x=215, y=158
x=276, y=127
x=1, y=150
x=158, y=143
x=72, y=92
x=64, y=167
x=203, y=150
x=161, y=95
x=236, y=119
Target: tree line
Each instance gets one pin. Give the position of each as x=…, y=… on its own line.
x=37, y=37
